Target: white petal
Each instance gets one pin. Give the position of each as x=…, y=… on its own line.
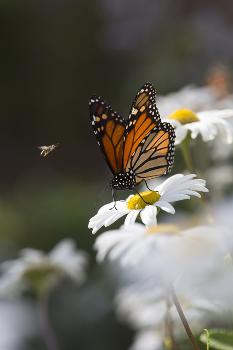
x=131, y=217
x=166, y=206
x=214, y=121
x=180, y=130
x=105, y=242
x=226, y=131
x=208, y=131
x=215, y=113
x=107, y=215
x=149, y=215
x=162, y=188
x=114, y=217
x=147, y=340
x=180, y=184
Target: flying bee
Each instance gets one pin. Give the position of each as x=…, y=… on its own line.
x=46, y=150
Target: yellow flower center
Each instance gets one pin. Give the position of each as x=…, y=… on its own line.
x=184, y=116
x=163, y=228
x=41, y=275
x=140, y=201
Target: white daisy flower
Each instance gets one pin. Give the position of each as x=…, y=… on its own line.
x=37, y=270
x=204, y=299
x=160, y=254
x=176, y=188
x=208, y=124
x=194, y=97
x=147, y=309
x=147, y=313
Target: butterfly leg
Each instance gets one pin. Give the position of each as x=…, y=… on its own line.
x=148, y=186
x=114, y=199
x=141, y=197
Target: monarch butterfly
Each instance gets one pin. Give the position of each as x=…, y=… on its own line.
x=139, y=148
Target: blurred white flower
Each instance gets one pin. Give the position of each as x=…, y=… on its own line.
x=220, y=178
x=37, y=270
x=193, y=260
x=148, y=313
x=17, y=324
x=164, y=253
x=147, y=309
x=195, y=98
x=176, y=188
x=208, y=124
x=226, y=102
x=222, y=211
x=220, y=151
x=148, y=339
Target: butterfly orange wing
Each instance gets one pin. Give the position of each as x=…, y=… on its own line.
x=109, y=129
x=154, y=156
x=143, y=118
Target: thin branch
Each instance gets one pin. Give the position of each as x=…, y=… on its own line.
x=183, y=319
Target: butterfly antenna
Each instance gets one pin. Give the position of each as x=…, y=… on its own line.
x=114, y=199
x=141, y=196
x=148, y=186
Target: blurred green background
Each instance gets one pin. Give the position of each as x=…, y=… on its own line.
x=54, y=55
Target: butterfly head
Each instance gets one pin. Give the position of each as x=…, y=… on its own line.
x=124, y=180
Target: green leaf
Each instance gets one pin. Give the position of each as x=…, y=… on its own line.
x=219, y=339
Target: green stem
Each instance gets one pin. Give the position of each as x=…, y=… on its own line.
x=207, y=339
x=169, y=327
x=45, y=324
x=186, y=153
x=183, y=319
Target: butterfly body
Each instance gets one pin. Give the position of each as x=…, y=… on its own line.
x=124, y=180
x=138, y=148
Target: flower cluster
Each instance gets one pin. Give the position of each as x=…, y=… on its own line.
x=185, y=259
x=39, y=271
